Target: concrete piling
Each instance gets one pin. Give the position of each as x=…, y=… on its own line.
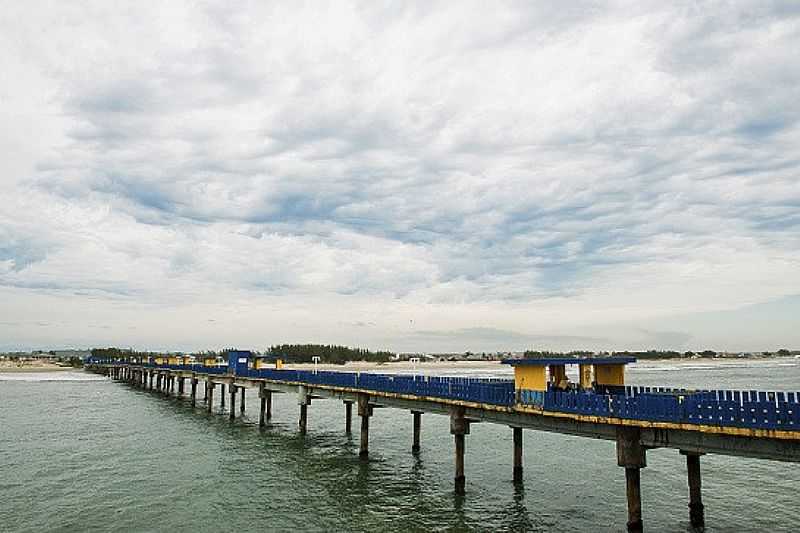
x=364, y=411
x=303, y=418
x=348, y=417
x=269, y=405
x=631, y=456
x=459, y=428
x=194, y=390
x=696, y=508
x=222, y=396
x=232, y=410
x=517, y=455
x=415, y=447
x=210, y=395
x=303, y=399
x=262, y=394
x=634, y=495
x=241, y=400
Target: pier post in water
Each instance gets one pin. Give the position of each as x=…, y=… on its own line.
x=193, y=382
x=517, y=455
x=232, y=410
x=459, y=428
x=417, y=429
x=180, y=386
x=696, y=508
x=210, y=394
x=222, y=396
x=364, y=411
x=262, y=394
x=241, y=400
x=269, y=405
x=631, y=456
x=303, y=400
x=348, y=417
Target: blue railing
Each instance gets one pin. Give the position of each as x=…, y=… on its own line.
x=745, y=409
x=491, y=391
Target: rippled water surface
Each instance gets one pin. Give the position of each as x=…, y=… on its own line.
x=81, y=453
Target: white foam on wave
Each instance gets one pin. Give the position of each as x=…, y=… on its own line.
x=65, y=375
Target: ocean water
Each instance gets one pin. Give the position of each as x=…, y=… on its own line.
x=81, y=453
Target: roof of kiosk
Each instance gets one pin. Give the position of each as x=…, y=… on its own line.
x=544, y=361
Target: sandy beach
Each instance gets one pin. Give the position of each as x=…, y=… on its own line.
x=31, y=366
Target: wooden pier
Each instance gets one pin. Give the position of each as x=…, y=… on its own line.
x=755, y=424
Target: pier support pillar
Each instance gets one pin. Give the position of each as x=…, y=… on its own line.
x=262, y=394
x=364, y=411
x=180, y=386
x=348, y=417
x=631, y=456
x=241, y=400
x=269, y=405
x=303, y=400
x=517, y=455
x=232, y=410
x=222, y=396
x=210, y=394
x=696, y=508
x=417, y=429
x=459, y=428
x=303, y=423
x=194, y=391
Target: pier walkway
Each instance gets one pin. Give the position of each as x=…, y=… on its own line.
x=760, y=424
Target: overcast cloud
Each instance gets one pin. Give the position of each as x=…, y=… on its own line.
x=400, y=175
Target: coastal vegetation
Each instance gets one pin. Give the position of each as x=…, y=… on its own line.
x=328, y=353
x=658, y=354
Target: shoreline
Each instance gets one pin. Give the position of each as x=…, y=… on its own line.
x=35, y=369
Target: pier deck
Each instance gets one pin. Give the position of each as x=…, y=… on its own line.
x=759, y=424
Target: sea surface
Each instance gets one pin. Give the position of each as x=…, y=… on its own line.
x=81, y=453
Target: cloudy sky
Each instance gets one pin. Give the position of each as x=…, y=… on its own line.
x=412, y=176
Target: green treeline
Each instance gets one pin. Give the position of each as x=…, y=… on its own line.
x=648, y=354
x=537, y=354
x=119, y=352
x=293, y=353
x=328, y=353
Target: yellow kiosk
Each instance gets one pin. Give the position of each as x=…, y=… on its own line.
x=533, y=377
